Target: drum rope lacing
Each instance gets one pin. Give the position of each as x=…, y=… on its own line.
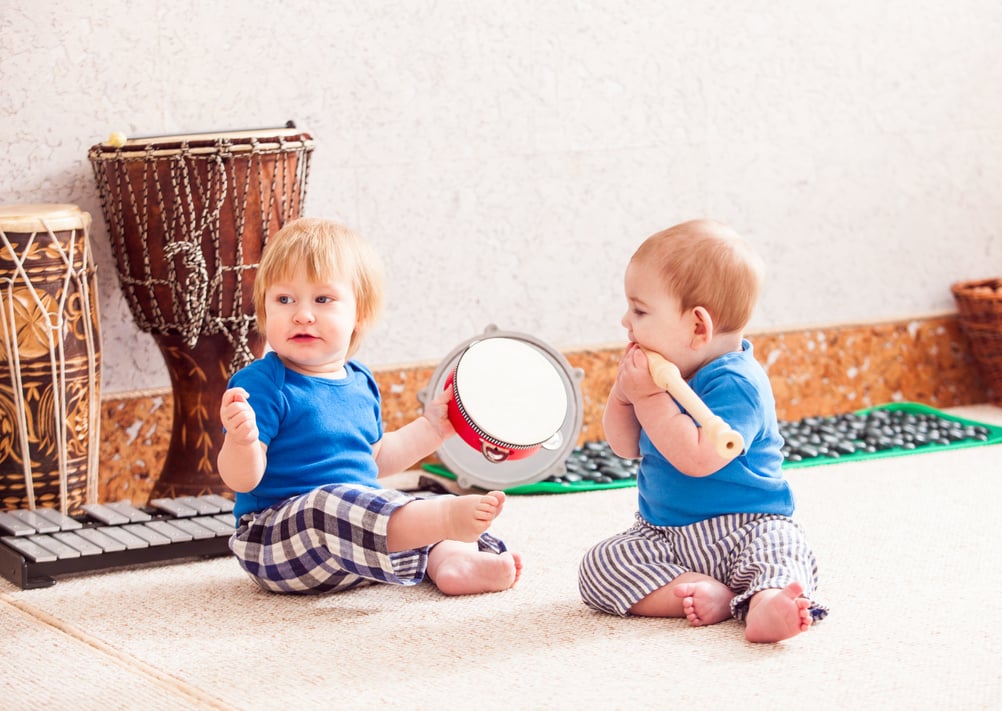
x=196, y=299
x=54, y=333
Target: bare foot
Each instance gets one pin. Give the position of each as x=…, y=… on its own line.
x=458, y=569
x=698, y=589
x=775, y=615
x=705, y=603
x=425, y=522
x=466, y=517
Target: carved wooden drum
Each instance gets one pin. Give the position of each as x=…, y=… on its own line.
x=50, y=359
x=188, y=217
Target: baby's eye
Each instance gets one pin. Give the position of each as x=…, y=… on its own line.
x=284, y=299
x=324, y=299
x=639, y=312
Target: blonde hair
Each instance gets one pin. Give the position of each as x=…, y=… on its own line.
x=325, y=250
x=706, y=263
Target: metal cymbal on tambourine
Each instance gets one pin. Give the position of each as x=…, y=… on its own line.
x=476, y=464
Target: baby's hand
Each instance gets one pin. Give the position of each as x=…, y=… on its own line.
x=238, y=417
x=437, y=413
x=633, y=381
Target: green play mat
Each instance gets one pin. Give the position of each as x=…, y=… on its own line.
x=890, y=430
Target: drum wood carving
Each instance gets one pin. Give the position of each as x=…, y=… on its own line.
x=50, y=359
x=188, y=217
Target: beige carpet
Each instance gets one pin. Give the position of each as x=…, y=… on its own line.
x=911, y=564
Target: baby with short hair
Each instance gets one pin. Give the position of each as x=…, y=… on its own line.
x=714, y=537
x=305, y=447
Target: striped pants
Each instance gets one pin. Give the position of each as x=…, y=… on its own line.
x=331, y=539
x=746, y=552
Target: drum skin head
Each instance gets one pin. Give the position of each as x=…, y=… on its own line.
x=42, y=217
x=468, y=463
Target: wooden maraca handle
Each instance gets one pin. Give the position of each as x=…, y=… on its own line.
x=666, y=375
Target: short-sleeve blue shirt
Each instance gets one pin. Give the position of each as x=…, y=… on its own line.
x=318, y=431
x=737, y=389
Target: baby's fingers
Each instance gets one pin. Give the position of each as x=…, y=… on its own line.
x=235, y=395
x=242, y=426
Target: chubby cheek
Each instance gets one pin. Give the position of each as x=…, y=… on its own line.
x=635, y=325
x=652, y=341
x=641, y=333
x=273, y=328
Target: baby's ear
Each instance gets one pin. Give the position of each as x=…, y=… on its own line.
x=702, y=327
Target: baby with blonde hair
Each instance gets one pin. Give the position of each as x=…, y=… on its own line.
x=304, y=447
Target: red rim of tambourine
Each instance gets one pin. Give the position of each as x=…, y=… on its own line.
x=466, y=460
x=492, y=448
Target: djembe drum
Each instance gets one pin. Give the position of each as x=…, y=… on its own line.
x=50, y=359
x=188, y=217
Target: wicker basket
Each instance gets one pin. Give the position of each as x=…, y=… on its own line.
x=979, y=304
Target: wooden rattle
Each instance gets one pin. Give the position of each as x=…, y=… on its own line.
x=666, y=375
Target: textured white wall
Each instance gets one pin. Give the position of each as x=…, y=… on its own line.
x=506, y=158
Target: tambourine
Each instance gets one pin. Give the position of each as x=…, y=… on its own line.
x=516, y=406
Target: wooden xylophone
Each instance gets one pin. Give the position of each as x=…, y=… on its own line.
x=36, y=545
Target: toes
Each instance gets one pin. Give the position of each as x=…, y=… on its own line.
x=684, y=590
x=794, y=590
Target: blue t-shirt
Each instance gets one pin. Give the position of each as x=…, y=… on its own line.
x=735, y=388
x=318, y=431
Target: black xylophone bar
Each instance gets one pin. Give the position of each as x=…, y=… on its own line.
x=36, y=545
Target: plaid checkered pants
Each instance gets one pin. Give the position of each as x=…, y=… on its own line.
x=746, y=552
x=331, y=539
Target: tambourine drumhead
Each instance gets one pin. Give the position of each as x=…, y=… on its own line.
x=510, y=392
x=469, y=464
